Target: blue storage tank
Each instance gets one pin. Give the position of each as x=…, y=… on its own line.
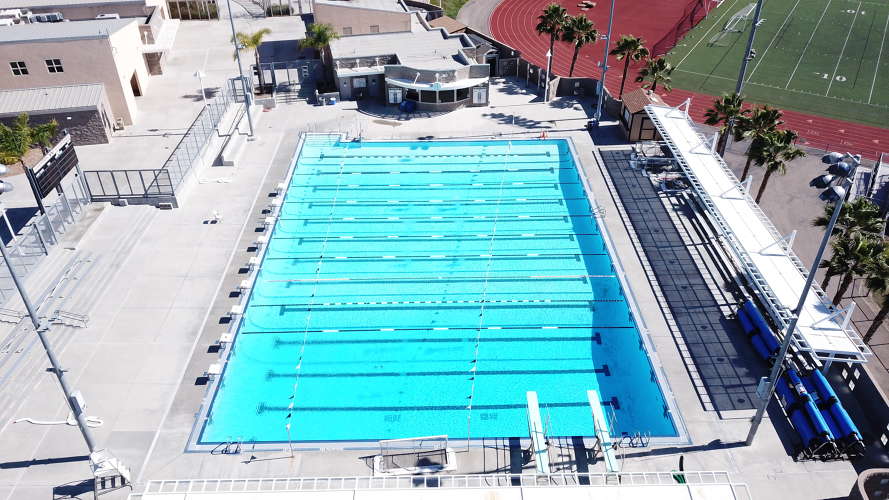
x=756, y=317
x=746, y=322
x=796, y=416
x=847, y=427
x=817, y=420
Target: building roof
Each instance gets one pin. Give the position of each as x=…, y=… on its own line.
x=390, y=5
x=429, y=50
x=636, y=100
x=43, y=99
x=450, y=24
x=38, y=32
x=43, y=4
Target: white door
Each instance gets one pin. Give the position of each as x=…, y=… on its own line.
x=479, y=95
x=395, y=96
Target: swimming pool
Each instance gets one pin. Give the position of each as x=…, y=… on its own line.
x=421, y=288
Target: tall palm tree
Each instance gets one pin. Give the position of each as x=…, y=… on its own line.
x=850, y=257
x=725, y=111
x=773, y=154
x=579, y=31
x=754, y=126
x=877, y=282
x=656, y=71
x=628, y=48
x=552, y=22
x=859, y=217
x=251, y=41
x=318, y=37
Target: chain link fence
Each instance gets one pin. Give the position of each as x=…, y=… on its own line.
x=43, y=231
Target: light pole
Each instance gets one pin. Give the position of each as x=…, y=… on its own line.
x=549, y=67
x=73, y=399
x=200, y=76
x=604, y=64
x=836, y=195
x=749, y=54
x=247, y=96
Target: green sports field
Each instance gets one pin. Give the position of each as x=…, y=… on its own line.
x=825, y=57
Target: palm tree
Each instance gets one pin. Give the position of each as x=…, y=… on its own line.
x=850, y=257
x=773, y=154
x=579, y=31
x=754, y=126
x=859, y=217
x=628, y=48
x=878, y=283
x=15, y=141
x=552, y=22
x=724, y=112
x=656, y=71
x=318, y=37
x=251, y=41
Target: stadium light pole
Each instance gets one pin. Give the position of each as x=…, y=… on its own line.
x=748, y=52
x=598, y=115
x=247, y=96
x=837, y=195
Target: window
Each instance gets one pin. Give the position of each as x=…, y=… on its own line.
x=347, y=30
x=54, y=65
x=18, y=68
x=374, y=28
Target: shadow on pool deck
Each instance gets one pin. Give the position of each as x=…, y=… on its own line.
x=726, y=364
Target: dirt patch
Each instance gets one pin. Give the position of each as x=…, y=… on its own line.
x=31, y=158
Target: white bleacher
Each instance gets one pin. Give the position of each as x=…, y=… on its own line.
x=771, y=267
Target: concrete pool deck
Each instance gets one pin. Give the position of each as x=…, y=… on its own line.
x=155, y=276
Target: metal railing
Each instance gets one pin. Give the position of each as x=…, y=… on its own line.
x=195, y=140
x=108, y=185
x=295, y=484
x=32, y=243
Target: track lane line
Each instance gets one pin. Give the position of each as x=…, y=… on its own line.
x=808, y=42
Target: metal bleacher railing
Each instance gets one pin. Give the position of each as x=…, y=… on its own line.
x=779, y=312
x=153, y=184
x=161, y=487
x=32, y=243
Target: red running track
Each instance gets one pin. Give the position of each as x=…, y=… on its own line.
x=513, y=22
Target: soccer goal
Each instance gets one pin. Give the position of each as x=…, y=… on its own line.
x=735, y=24
x=415, y=455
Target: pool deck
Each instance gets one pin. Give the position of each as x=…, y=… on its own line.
x=158, y=283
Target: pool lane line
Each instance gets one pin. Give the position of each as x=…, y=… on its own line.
x=466, y=236
x=440, y=217
x=320, y=201
x=449, y=328
x=532, y=184
x=442, y=302
x=548, y=170
x=443, y=256
x=302, y=349
x=443, y=278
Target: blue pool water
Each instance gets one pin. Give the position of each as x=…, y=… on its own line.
x=405, y=282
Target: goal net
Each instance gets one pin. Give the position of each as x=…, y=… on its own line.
x=414, y=455
x=735, y=24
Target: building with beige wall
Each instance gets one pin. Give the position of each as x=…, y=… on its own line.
x=363, y=17
x=108, y=51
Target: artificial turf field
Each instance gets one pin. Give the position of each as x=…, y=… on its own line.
x=824, y=57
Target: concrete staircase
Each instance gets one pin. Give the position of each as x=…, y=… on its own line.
x=254, y=9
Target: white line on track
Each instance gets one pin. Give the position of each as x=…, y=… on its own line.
x=777, y=34
x=705, y=34
x=843, y=50
x=808, y=42
x=879, y=56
